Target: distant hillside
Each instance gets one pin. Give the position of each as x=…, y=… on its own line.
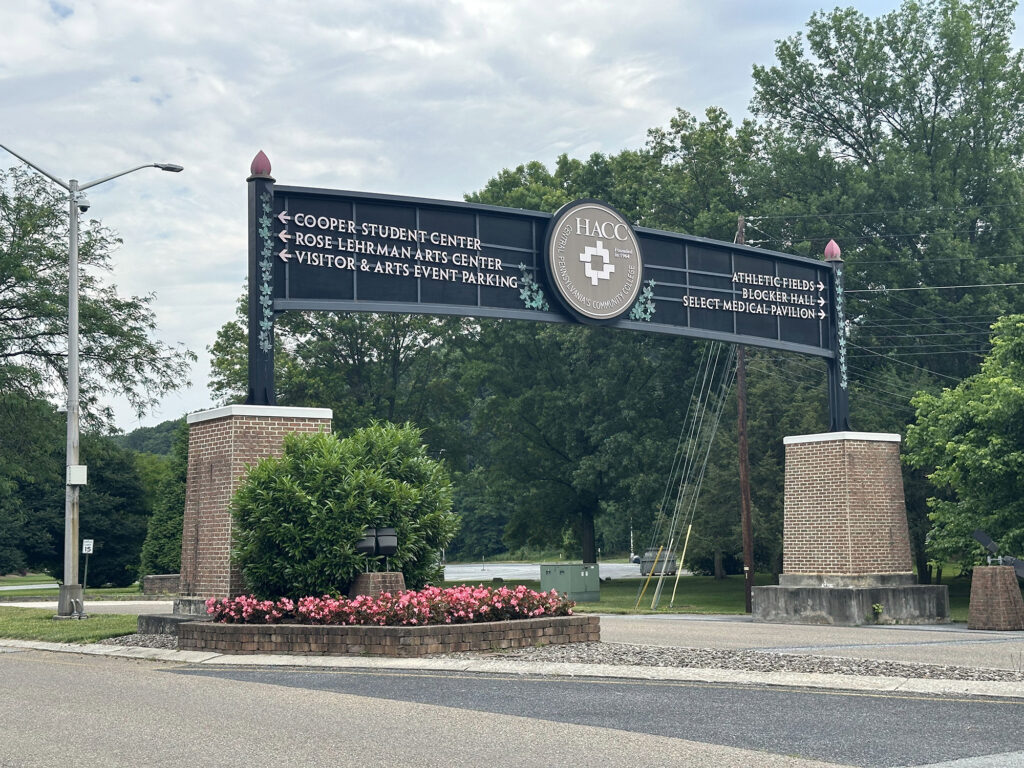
x=151, y=439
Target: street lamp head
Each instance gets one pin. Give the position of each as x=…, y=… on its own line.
x=169, y=167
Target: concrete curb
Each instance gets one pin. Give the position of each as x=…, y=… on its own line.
x=492, y=666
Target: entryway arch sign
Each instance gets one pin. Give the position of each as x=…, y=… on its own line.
x=344, y=251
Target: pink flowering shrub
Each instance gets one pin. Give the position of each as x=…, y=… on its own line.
x=431, y=605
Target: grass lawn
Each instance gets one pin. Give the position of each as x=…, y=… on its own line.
x=92, y=593
x=38, y=624
x=16, y=579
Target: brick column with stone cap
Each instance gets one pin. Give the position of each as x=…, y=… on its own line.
x=222, y=444
x=844, y=508
x=846, y=548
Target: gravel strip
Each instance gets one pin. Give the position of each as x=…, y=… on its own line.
x=751, y=661
x=622, y=654
x=145, y=641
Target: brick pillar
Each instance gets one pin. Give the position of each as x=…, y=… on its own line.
x=996, y=602
x=844, y=507
x=846, y=548
x=222, y=444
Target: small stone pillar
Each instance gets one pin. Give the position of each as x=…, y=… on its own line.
x=376, y=583
x=996, y=602
x=222, y=444
x=846, y=547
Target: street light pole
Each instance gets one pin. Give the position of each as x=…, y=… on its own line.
x=69, y=601
x=70, y=598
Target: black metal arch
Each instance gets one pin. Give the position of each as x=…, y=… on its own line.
x=333, y=250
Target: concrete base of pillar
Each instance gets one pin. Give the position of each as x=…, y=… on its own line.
x=879, y=603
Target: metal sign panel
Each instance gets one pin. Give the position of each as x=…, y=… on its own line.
x=350, y=251
x=318, y=249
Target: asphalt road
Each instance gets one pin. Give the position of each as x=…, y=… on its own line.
x=73, y=710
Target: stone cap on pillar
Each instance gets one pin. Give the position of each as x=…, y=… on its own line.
x=268, y=411
x=826, y=437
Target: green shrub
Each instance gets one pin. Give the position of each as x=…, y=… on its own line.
x=298, y=518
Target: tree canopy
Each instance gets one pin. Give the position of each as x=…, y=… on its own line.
x=118, y=353
x=970, y=440
x=119, y=356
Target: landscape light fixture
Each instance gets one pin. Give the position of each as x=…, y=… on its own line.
x=69, y=601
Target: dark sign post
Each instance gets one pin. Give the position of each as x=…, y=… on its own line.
x=316, y=249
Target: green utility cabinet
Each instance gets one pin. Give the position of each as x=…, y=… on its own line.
x=577, y=581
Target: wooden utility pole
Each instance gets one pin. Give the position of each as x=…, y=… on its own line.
x=744, y=458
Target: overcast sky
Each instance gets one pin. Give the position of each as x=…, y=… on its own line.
x=419, y=98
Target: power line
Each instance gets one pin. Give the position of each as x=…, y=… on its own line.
x=885, y=236
x=907, y=320
x=893, y=345
x=882, y=335
x=909, y=365
x=934, y=287
x=918, y=354
x=882, y=211
x=923, y=262
x=918, y=308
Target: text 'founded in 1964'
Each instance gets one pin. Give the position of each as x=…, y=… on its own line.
x=339, y=243
x=760, y=294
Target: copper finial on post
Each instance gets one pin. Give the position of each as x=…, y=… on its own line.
x=260, y=167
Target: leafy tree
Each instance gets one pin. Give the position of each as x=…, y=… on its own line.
x=118, y=355
x=113, y=512
x=971, y=441
x=299, y=517
x=161, y=549
x=365, y=367
x=570, y=425
x=153, y=440
x=31, y=465
x=483, y=515
x=901, y=137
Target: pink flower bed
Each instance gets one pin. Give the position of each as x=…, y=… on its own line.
x=431, y=605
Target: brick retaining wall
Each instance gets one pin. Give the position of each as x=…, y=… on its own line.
x=342, y=640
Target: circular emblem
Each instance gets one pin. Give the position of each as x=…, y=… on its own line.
x=593, y=260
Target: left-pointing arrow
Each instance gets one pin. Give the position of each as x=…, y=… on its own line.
x=283, y=217
x=285, y=237
x=285, y=255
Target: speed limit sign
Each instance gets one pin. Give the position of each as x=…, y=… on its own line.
x=86, y=546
